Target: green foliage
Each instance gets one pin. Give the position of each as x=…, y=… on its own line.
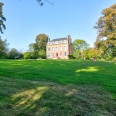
x=31, y=47
x=2, y=19
x=3, y=48
x=31, y=55
x=42, y=54
x=108, y=58
x=70, y=56
x=14, y=54
x=27, y=55
x=78, y=46
x=114, y=59
x=106, y=27
x=34, y=55
x=106, y=24
x=38, y=49
x=90, y=53
x=41, y=41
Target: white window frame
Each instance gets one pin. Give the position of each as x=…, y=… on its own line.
x=48, y=49
x=52, y=48
x=65, y=54
x=52, y=55
x=61, y=48
x=56, y=48
x=60, y=53
x=64, y=47
x=48, y=55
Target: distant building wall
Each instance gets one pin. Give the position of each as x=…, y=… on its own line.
x=59, y=48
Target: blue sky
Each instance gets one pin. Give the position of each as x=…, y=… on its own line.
x=26, y=19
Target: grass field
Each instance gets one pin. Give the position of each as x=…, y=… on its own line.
x=57, y=88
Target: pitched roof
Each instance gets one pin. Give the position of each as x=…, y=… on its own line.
x=59, y=39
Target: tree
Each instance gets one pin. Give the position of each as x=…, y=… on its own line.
x=106, y=24
x=41, y=41
x=13, y=53
x=37, y=49
x=78, y=46
x=31, y=47
x=42, y=54
x=27, y=55
x=106, y=27
x=3, y=48
x=90, y=53
x=42, y=2
x=2, y=19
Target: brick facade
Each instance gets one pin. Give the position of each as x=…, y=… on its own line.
x=59, y=48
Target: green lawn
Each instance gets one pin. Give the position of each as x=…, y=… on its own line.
x=57, y=88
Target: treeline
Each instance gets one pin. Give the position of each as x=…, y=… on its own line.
x=104, y=46
x=35, y=50
x=5, y=53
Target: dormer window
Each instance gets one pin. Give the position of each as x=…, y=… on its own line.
x=56, y=42
x=65, y=41
x=60, y=41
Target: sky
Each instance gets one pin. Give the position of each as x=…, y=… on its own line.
x=26, y=19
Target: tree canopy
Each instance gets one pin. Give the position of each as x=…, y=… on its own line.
x=78, y=46
x=42, y=2
x=106, y=26
x=37, y=49
x=41, y=41
x=2, y=19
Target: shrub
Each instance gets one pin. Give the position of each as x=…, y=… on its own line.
x=27, y=55
x=109, y=58
x=70, y=56
x=114, y=59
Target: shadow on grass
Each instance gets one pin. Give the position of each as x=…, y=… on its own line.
x=40, y=98
x=67, y=88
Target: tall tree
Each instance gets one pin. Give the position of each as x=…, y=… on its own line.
x=3, y=47
x=106, y=26
x=41, y=41
x=13, y=53
x=78, y=46
x=31, y=47
x=2, y=19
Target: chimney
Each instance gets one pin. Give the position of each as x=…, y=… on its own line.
x=69, y=39
x=48, y=39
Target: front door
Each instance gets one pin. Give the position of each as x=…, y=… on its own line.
x=56, y=54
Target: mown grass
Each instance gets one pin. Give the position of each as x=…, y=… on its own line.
x=57, y=88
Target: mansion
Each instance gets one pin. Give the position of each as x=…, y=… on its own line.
x=59, y=48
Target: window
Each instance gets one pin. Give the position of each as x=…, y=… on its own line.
x=56, y=48
x=65, y=41
x=56, y=42
x=53, y=55
x=48, y=55
x=60, y=53
x=48, y=49
x=64, y=47
x=52, y=42
x=52, y=48
x=61, y=48
x=60, y=42
x=64, y=53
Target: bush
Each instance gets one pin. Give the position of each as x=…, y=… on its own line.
x=27, y=55
x=109, y=58
x=70, y=56
x=114, y=59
